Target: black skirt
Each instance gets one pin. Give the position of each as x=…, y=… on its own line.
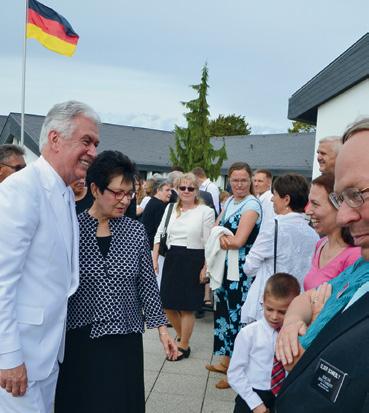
x=103, y=374
x=180, y=287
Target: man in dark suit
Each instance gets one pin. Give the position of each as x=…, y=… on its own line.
x=333, y=373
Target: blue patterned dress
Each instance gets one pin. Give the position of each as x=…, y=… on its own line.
x=230, y=297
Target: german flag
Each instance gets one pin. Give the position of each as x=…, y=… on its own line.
x=51, y=29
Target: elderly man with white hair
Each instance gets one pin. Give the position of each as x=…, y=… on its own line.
x=327, y=153
x=39, y=258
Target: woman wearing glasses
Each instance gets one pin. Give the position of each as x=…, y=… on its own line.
x=312, y=310
x=184, y=271
x=242, y=216
x=335, y=251
x=118, y=293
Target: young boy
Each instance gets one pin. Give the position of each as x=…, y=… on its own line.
x=250, y=370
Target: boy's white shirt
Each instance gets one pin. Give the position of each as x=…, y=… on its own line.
x=252, y=361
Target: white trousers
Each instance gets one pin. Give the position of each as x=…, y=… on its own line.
x=39, y=397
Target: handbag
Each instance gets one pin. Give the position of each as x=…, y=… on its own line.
x=163, y=249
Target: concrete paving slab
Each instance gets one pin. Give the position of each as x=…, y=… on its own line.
x=212, y=393
x=183, y=385
x=217, y=406
x=153, y=346
x=150, y=379
x=153, y=362
x=190, y=366
x=169, y=403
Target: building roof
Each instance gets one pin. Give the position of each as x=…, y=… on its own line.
x=280, y=153
x=3, y=119
x=149, y=148
x=348, y=69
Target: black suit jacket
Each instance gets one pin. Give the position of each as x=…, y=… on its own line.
x=343, y=343
x=208, y=200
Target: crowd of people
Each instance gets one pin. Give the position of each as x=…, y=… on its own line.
x=92, y=254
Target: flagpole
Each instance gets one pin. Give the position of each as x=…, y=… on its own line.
x=24, y=74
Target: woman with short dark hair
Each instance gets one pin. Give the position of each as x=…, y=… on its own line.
x=295, y=243
x=117, y=295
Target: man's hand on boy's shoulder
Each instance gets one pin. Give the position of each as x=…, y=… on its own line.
x=261, y=409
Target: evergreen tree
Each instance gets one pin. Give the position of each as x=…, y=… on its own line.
x=230, y=125
x=192, y=146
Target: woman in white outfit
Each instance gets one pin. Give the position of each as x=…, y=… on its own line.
x=184, y=271
x=296, y=242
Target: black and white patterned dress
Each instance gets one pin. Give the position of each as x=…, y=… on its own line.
x=118, y=294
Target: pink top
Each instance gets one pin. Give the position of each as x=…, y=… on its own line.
x=317, y=276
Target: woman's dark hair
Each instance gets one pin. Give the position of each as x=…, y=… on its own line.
x=108, y=165
x=296, y=186
x=326, y=181
x=239, y=166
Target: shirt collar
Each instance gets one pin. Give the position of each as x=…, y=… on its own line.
x=265, y=194
x=53, y=176
x=270, y=329
x=205, y=183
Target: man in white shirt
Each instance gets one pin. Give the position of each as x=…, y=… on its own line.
x=251, y=366
x=39, y=258
x=262, y=183
x=327, y=153
x=206, y=185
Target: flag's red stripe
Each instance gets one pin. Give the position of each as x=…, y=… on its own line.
x=51, y=27
x=51, y=14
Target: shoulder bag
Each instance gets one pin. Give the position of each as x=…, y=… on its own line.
x=163, y=249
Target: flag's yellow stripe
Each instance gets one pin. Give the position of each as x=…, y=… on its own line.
x=51, y=42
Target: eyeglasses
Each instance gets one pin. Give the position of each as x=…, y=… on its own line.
x=119, y=195
x=353, y=197
x=189, y=188
x=15, y=168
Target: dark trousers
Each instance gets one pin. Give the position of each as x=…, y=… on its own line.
x=266, y=396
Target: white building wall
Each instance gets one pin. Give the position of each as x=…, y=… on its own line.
x=29, y=155
x=336, y=114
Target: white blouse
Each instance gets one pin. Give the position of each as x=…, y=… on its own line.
x=295, y=249
x=252, y=361
x=191, y=229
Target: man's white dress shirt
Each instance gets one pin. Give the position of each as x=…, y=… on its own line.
x=267, y=206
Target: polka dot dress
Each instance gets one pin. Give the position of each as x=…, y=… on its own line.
x=119, y=294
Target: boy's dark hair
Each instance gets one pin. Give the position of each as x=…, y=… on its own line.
x=282, y=285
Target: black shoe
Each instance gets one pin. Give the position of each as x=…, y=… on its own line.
x=200, y=314
x=185, y=354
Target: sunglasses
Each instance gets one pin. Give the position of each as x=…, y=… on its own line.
x=189, y=188
x=15, y=168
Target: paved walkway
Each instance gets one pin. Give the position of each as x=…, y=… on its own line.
x=184, y=386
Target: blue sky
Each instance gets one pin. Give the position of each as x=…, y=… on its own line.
x=135, y=60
